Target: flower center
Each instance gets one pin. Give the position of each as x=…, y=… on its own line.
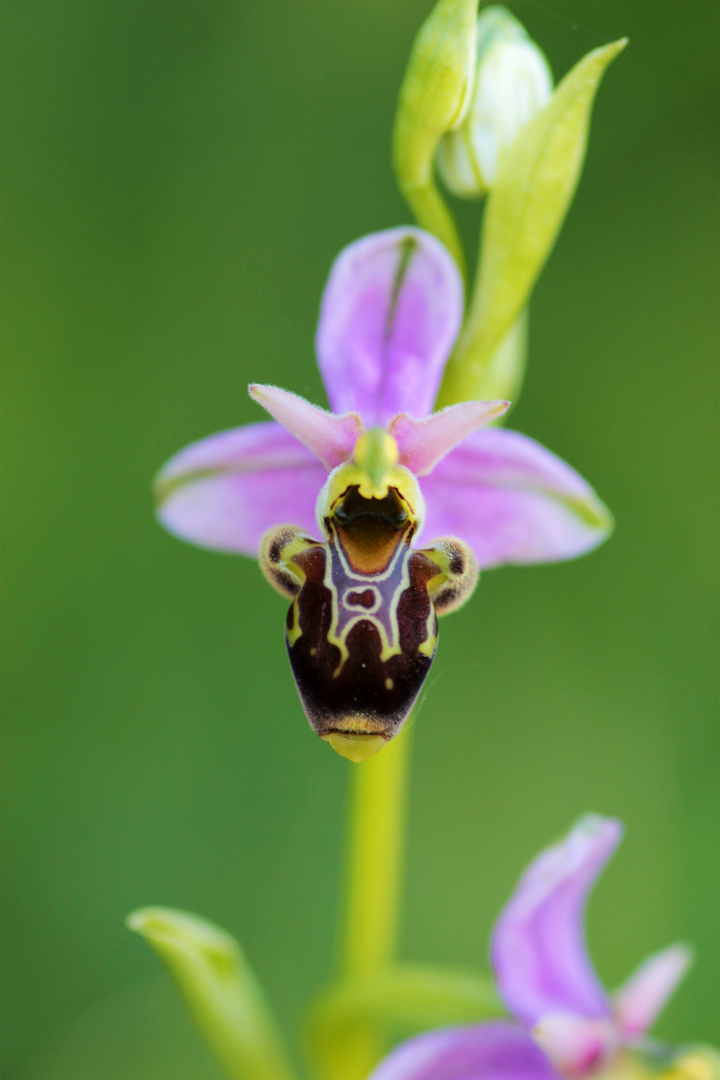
x=373, y=487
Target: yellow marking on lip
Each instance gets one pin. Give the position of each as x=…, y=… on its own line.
x=355, y=748
x=294, y=632
x=429, y=645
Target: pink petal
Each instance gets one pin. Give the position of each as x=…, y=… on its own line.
x=225, y=491
x=422, y=443
x=575, y=1045
x=641, y=999
x=331, y=438
x=538, y=946
x=484, y=1052
x=390, y=314
x=513, y=501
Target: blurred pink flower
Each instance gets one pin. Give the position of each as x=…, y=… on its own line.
x=566, y=1024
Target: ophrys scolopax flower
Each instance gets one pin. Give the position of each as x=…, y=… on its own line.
x=335, y=502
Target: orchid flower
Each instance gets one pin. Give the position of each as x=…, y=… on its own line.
x=334, y=503
x=566, y=1025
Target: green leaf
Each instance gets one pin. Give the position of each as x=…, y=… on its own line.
x=505, y=369
x=433, y=99
x=536, y=180
x=390, y=1005
x=220, y=990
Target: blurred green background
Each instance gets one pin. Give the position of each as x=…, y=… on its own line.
x=178, y=178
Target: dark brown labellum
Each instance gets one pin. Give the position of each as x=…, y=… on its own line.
x=362, y=628
x=362, y=631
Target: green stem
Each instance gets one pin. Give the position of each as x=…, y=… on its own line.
x=432, y=214
x=375, y=865
x=374, y=882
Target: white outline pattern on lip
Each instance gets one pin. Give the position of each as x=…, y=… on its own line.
x=360, y=607
x=390, y=584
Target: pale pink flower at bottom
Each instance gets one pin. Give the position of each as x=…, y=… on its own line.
x=566, y=1024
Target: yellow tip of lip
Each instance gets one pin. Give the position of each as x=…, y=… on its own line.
x=355, y=747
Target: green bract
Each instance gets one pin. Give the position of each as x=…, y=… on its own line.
x=220, y=990
x=536, y=179
x=466, y=105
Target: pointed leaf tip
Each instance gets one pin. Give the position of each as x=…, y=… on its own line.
x=219, y=989
x=169, y=928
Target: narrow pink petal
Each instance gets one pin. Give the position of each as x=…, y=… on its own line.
x=422, y=443
x=513, y=501
x=331, y=438
x=642, y=998
x=574, y=1044
x=538, y=946
x=390, y=314
x=225, y=491
x=483, y=1052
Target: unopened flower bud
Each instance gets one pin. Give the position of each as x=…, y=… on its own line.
x=512, y=83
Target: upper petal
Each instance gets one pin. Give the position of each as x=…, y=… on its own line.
x=389, y=317
x=538, y=946
x=225, y=491
x=423, y=443
x=483, y=1052
x=331, y=438
x=641, y=999
x=513, y=501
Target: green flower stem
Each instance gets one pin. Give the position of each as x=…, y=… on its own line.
x=374, y=877
x=374, y=872
x=431, y=213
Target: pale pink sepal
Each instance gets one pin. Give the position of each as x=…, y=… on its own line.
x=640, y=1000
x=513, y=501
x=331, y=438
x=390, y=314
x=225, y=491
x=574, y=1044
x=538, y=949
x=496, y=1051
x=423, y=443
